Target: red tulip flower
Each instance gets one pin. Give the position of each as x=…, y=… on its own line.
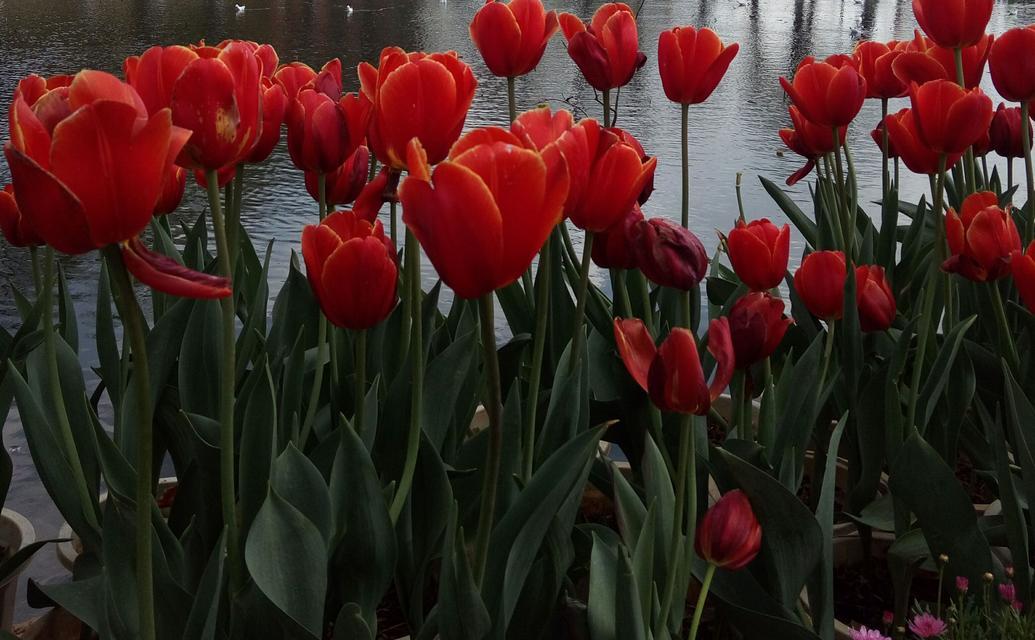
x=352, y=270
x=274, y=109
x=324, y=132
x=1012, y=63
x=825, y=94
x=343, y=184
x=923, y=61
x=873, y=296
x=415, y=95
x=173, y=185
x=512, y=36
x=874, y=61
x=672, y=375
x=1004, y=134
x=612, y=249
x=606, y=49
x=905, y=143
x=630, y=139
x=511, y=198
x=293, y=77
x=981, y=238
x=757, y=325
x=17, y=229
x=878, y=139
x=759, y=251
x=668, y=254
x=820, y=283
x=540, y=128
x=692, y=62
x=953, y=23
x=729, y=535
x=810, y=141
x=1022, y=266
x=154, y=74
x=950, y=119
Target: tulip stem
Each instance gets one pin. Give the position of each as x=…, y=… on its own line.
x=361, y=380
x=1029, y=173
x=131, y=315
x=686, y=472
x=37, y=279
x=542, y=317
x=234, y=215
x=607, y=108
x=622, y=306
x=511, y=99
x=314, y=393
x=494, y=455
x=842, y=189
x=579, y=338
x=740, y=196
x=885, y=174
x=824, y=367
x=833, y=201
x=684, y=145
x=226, y=390
x=1004, y=327
x=416, y=351
x=699, y=607
x=329, y=342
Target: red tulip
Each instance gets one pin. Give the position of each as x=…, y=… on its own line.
x=512, y=36
x=616, y=174
x=154, y=73
x=827, y=95
x=630, y=139
x=981, y=238
x=352, y=270
x=612, y=249
x=820, y=283
x=757, y=326
x=343, y=184
x=293, y=77
x=810, y=141
x=606, y=50
x=923, y=61
x=540, y=127
x=669, y=254
x=949, y=119
x=324, y=132
x=265, y=53
x=577, y=143
x=905, y=143
x=173, y=185
x=873, y=296
x=672, y=375
x=759, y=251
x=416, y=95
x=729, y=535
x=274, y=108
x=220, y=100
x=1012, y=63
x=692, y=62
x=373, y=195
x=953, y=23
x=17, y=229
x=328, y=80
x=33, y=87
x=874, y=61
x=1004, y=133
x=878, y=138
x=1022, y=266
x=512, y=199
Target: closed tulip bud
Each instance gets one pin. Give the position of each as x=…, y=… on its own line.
x=759, y=251
x=1011, y=61
x=606, y=50
x=612, y=249
x=820, y=283
x=923, y=61
x=692, y=62
x=874, y=61
x=757, y=325
x=274, y=109
x=292, y=77
x=950, y=119
x=17, y=229
x=874, y=298
x=616, y=175
x=672, y=375
x=343, y=184
x=1022, y=267
x=1004, y=134
x=729, y=535
x=513, y=198
x=319, y=135
x=512, y=36
x=415, y=95
x=981, y=238
x=953, y=23
x=809, y=140
x=352, y=270
x=173, y=185
x=905, y=142
x=825, y=94
x=669, y=254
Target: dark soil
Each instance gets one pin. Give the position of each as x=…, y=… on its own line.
x=862, y=593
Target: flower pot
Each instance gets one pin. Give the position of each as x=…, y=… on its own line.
x=16, y=532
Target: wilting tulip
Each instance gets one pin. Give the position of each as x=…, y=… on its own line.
x=1012, y=63
x=343, y=184
x=923, y=61
x=606, y=50
x=220, y=100
x=950, y=119
x=173, y=185
x=415, y=95
x=17, y=229
x=669, y=254
x=729, y=535
x=512, y=199
x=323, y=132
x=274, y=108
x=692, y=62
x=820, y=283
x=874, y=298
x=757, y=326
x=981, y=238
x=352, y=270
x=905, y=143
x=512, y=36
x=874, y=62
x=1022, y=266
x=809, y=140
x=616, y=174
x=612, y=249
x=672, y=375
x=953, y=23
x=1004, y=133
x=88, y=166
x=827, y=95
x=759, y=251
x=293, y=76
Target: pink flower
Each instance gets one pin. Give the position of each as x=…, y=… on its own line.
x=926, y=625
x=1007, y=592
x=862, y=633
x=1017, y=605
x=962, y=584
x=888, y=618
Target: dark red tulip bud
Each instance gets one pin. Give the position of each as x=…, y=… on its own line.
x=1004, y=134
x=729, y=535
x=874, y=298
x=1022, y=266
x=820, y=283
x=668, y=254
x=757, y=325
x=612, y=249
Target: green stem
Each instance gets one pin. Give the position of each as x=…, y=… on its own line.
x=373, y=167
x=607, y=108
x=226, y=390
x=885, y=173
x=699, y=608
x=131, y=315
x=1004, y=328
x=765, y=437
x=833, y=201
x=842, y=189
x=1029, y=173
x=676, y=541
x=824, y=367
x=361, y=380
x=511, y=99
x=494, y=455
x=234, y=218
x=37, y=278
x=622, y=304
x=684, y=146
x=314, y=393
x=740, y=196
x=579, y=337
x=393, y=223
x=329, y=342
x=542, y=317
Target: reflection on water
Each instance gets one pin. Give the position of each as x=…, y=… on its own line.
x=735, y=131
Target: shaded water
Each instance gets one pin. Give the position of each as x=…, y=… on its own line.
x=735, y=131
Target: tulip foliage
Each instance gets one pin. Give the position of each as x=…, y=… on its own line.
x=364, y=459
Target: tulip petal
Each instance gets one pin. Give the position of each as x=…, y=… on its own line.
x=204, y=102
x=675, y=380
x=720, y=345
x=715, y=72
x=636, y=348
x=497, y=35
x=164, y=274
x=363, y=280
x=90, y=86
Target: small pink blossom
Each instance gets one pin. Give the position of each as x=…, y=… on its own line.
x=926, y=625
x=888, y=618
x=862, y=633
x=962, y=584
x=1017, y=605
x=1007, y=592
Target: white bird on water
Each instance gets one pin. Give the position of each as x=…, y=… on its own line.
x=240, y=8
x=348, y=9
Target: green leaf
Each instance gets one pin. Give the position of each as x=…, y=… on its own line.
x=201, y=360
x=69, y=328
x=107, y=343
x=821, y=587
x=298, y=481
x=208, y=600
x=445, y=379
x=806, y=226
x=350, y=624
x=601, y=613
x=258, y=444
x=461, y=612
x=938, y=376
x=514, y=302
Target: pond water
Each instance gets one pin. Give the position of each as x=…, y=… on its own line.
x=735, y=131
